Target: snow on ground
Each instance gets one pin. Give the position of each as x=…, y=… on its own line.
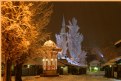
x=68, y=78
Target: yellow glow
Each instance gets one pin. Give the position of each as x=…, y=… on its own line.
x=27, y=42
x=51, y=59
x=50, y=43
x=28, y=66
x=110, y=65
x=46, y=59
x=43, y=59
x=61, y=67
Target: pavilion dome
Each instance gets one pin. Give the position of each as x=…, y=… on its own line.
x=50, y=43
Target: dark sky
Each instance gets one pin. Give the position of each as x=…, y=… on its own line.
x=99, y=22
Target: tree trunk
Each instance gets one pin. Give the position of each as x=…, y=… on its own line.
x=18, y=72
x=7, y=71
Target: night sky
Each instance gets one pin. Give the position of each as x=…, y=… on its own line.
x=99, y=22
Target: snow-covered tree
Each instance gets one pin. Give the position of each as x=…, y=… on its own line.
x=20, y=31
x=71, y=42
x=75, y=39
x=16, y=28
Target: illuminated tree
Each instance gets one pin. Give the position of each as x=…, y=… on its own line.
x=15, y=28
x=70, y=42
x=61, y=40
x=19, y=33
x=42, y=13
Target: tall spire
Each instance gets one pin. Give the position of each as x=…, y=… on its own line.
x=63, y=29
x=63, y=22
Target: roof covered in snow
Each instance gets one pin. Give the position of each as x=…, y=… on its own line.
x=49, y=43
x=118, y=43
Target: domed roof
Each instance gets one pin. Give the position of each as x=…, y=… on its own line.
x=49, y=43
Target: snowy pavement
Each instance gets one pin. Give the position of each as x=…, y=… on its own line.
x=67, y=78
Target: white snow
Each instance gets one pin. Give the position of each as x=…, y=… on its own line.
x=67, y=78
x=117, y=42
x=71, y=41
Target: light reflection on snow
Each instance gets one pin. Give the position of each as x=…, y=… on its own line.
x=69, y=78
